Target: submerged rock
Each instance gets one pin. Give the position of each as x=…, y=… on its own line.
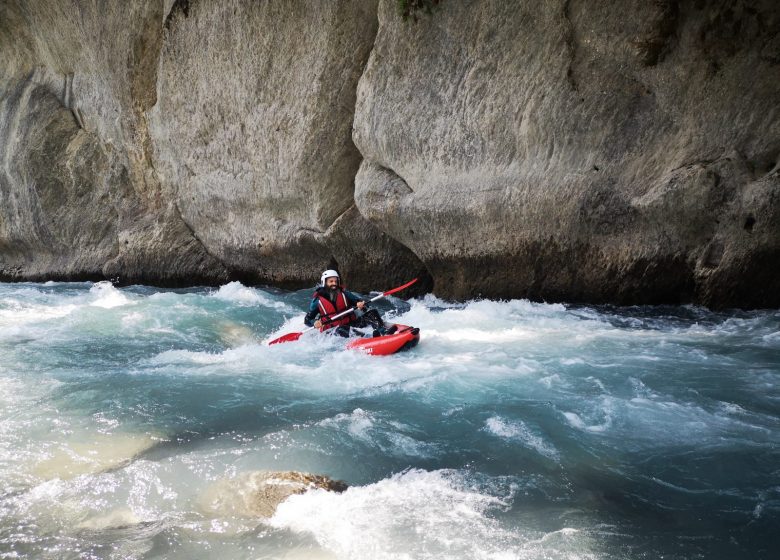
x=117, y=518
x=90, y=453
x=257, y=493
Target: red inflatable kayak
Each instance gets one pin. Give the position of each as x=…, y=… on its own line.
x=403, y=339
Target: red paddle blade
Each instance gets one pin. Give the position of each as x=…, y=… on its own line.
x=399, y=288
x=289, y=337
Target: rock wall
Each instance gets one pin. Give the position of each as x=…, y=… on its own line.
x=79, y=196
x=567, y=150
x=253, y=127
x=186, y=142
x=560, y=150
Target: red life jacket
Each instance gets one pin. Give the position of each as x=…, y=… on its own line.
x=327, y=309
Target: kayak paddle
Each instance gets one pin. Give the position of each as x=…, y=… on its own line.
x=293, y=336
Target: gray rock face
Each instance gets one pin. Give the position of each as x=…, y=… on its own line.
x=79, y=196
x=253, y=128
x=563, y=150
x=573, y=151
x=186, y=142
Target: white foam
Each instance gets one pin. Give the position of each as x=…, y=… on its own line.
x=572, y=361
x=132, y=319
x=517, y=430
x=236, y=292
x=731, y=408
x=477, y=335
x=358, y=423
x=176, y=357
x=369, y=428
x=415, y=514
x=18, y=313
x=771, y=338
x=403, y=445
x=653, y=420
x=487, y=315
x=550, y=380
x=575, y=421
x=107, y=296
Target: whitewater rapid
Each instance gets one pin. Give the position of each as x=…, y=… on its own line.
x=513, y=430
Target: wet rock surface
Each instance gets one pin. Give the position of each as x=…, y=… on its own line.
x=258, y=493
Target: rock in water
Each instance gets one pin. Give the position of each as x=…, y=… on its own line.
x=90, y=453
x=257, y=493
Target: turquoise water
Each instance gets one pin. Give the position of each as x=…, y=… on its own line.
x=514, y=429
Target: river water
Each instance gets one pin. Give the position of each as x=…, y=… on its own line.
x=514, y=429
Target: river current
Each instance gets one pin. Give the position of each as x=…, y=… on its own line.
x=513, y=430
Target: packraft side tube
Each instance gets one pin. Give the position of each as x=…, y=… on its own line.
x=403, y=339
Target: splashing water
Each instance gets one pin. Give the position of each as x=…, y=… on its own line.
x=514, y=429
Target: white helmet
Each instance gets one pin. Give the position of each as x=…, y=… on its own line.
x=328, y=274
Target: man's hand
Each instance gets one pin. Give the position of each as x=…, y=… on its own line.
x=361, y=304
x=318, y=324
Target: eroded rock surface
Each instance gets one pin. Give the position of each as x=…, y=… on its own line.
x=568, y=150
x=79, y=195
x=560, y=150
x=186, y=142
x=253, y=128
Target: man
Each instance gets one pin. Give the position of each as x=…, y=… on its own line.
x=331, y=299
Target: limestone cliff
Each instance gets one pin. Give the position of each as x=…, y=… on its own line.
x=79, y=195
x=252, y=130
x=559, y=150
x=570, y=150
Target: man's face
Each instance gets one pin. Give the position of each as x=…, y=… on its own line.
x=332, y=283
